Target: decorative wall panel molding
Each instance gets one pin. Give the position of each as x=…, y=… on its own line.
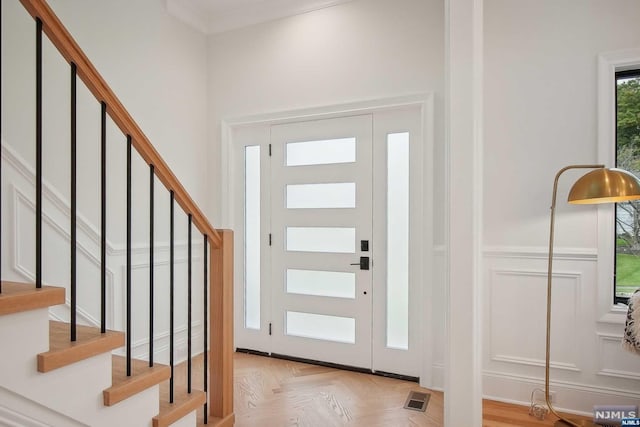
x=570, y=397
x=161, y=345
x=19, y=411
x=517, y=316
x=19, y=181
x=609, y=343
x=539, y=253
x=20, y=200
x=589, y=366
x=53, y=198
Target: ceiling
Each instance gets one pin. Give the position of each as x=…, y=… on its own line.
x=217, y=16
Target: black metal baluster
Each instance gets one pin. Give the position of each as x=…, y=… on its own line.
x=74, y=206
x=38, y=153
x=128, y=255
x=206, y=331
x=189, y=306
x=171, y=274
x=103, y=218
x=151, y=243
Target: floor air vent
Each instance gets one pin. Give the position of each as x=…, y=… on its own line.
x=417, y=401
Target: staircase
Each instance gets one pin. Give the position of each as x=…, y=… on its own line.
x=66, y=374
x=84, y=383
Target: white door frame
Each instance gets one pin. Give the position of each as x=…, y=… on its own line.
x=229, y=187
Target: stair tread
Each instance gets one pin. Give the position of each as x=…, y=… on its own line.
x=183, y=404
x=90, y=342
x=142, y=377
x=17, y=297
x=214, y=421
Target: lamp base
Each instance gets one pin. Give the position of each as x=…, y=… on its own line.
x=581, y=423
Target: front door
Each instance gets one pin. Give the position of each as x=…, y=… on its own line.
x=330, y=230
x=321, y=230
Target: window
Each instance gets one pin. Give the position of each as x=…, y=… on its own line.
x=627, y=228
x=252, y=236
x=398, y=240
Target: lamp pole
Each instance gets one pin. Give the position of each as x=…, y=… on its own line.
x=549, y=280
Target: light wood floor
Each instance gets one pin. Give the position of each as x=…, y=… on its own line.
x=278, y=393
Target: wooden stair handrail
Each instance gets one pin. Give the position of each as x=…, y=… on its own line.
x=67, y=46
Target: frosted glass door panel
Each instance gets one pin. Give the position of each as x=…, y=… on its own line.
x=321, y=326
x=321, y=196
x=321, y=239
x=321, y=283
x=321, y=201
x=252, y=237
x=325, y=152
x=398, y=240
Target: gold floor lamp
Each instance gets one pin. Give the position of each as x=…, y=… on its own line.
x=601, y=185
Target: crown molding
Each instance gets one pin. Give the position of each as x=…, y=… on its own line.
x=215, y=19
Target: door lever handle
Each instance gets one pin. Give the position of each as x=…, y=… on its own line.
x=364, y=263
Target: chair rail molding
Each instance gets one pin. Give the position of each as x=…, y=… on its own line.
x=541, y=253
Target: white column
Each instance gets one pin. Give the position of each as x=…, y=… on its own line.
x=463, y=133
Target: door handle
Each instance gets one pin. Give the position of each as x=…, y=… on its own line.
x=364, y=263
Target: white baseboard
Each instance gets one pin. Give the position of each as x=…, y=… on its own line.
x=437, y=377
x=515, y=389
x=571, y=398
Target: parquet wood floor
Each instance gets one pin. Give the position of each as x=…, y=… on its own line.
x=279, y=393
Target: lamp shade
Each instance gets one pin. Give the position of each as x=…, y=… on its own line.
x=605, y=185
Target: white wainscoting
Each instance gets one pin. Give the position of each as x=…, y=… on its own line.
x=18, y=264
x=18, y=411
x=514, y=317
x=58, y=239
x=589, y=366
x=612, y=362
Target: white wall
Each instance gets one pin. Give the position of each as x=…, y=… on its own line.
x=540, y=115
x=157, y=67
x=357, y=51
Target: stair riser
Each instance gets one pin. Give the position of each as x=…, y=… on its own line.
x=75, y=391
x=137, y=410
x=186, y=421
x=18, y=411
x=23, y=335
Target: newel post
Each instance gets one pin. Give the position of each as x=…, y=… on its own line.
x=221, y=330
